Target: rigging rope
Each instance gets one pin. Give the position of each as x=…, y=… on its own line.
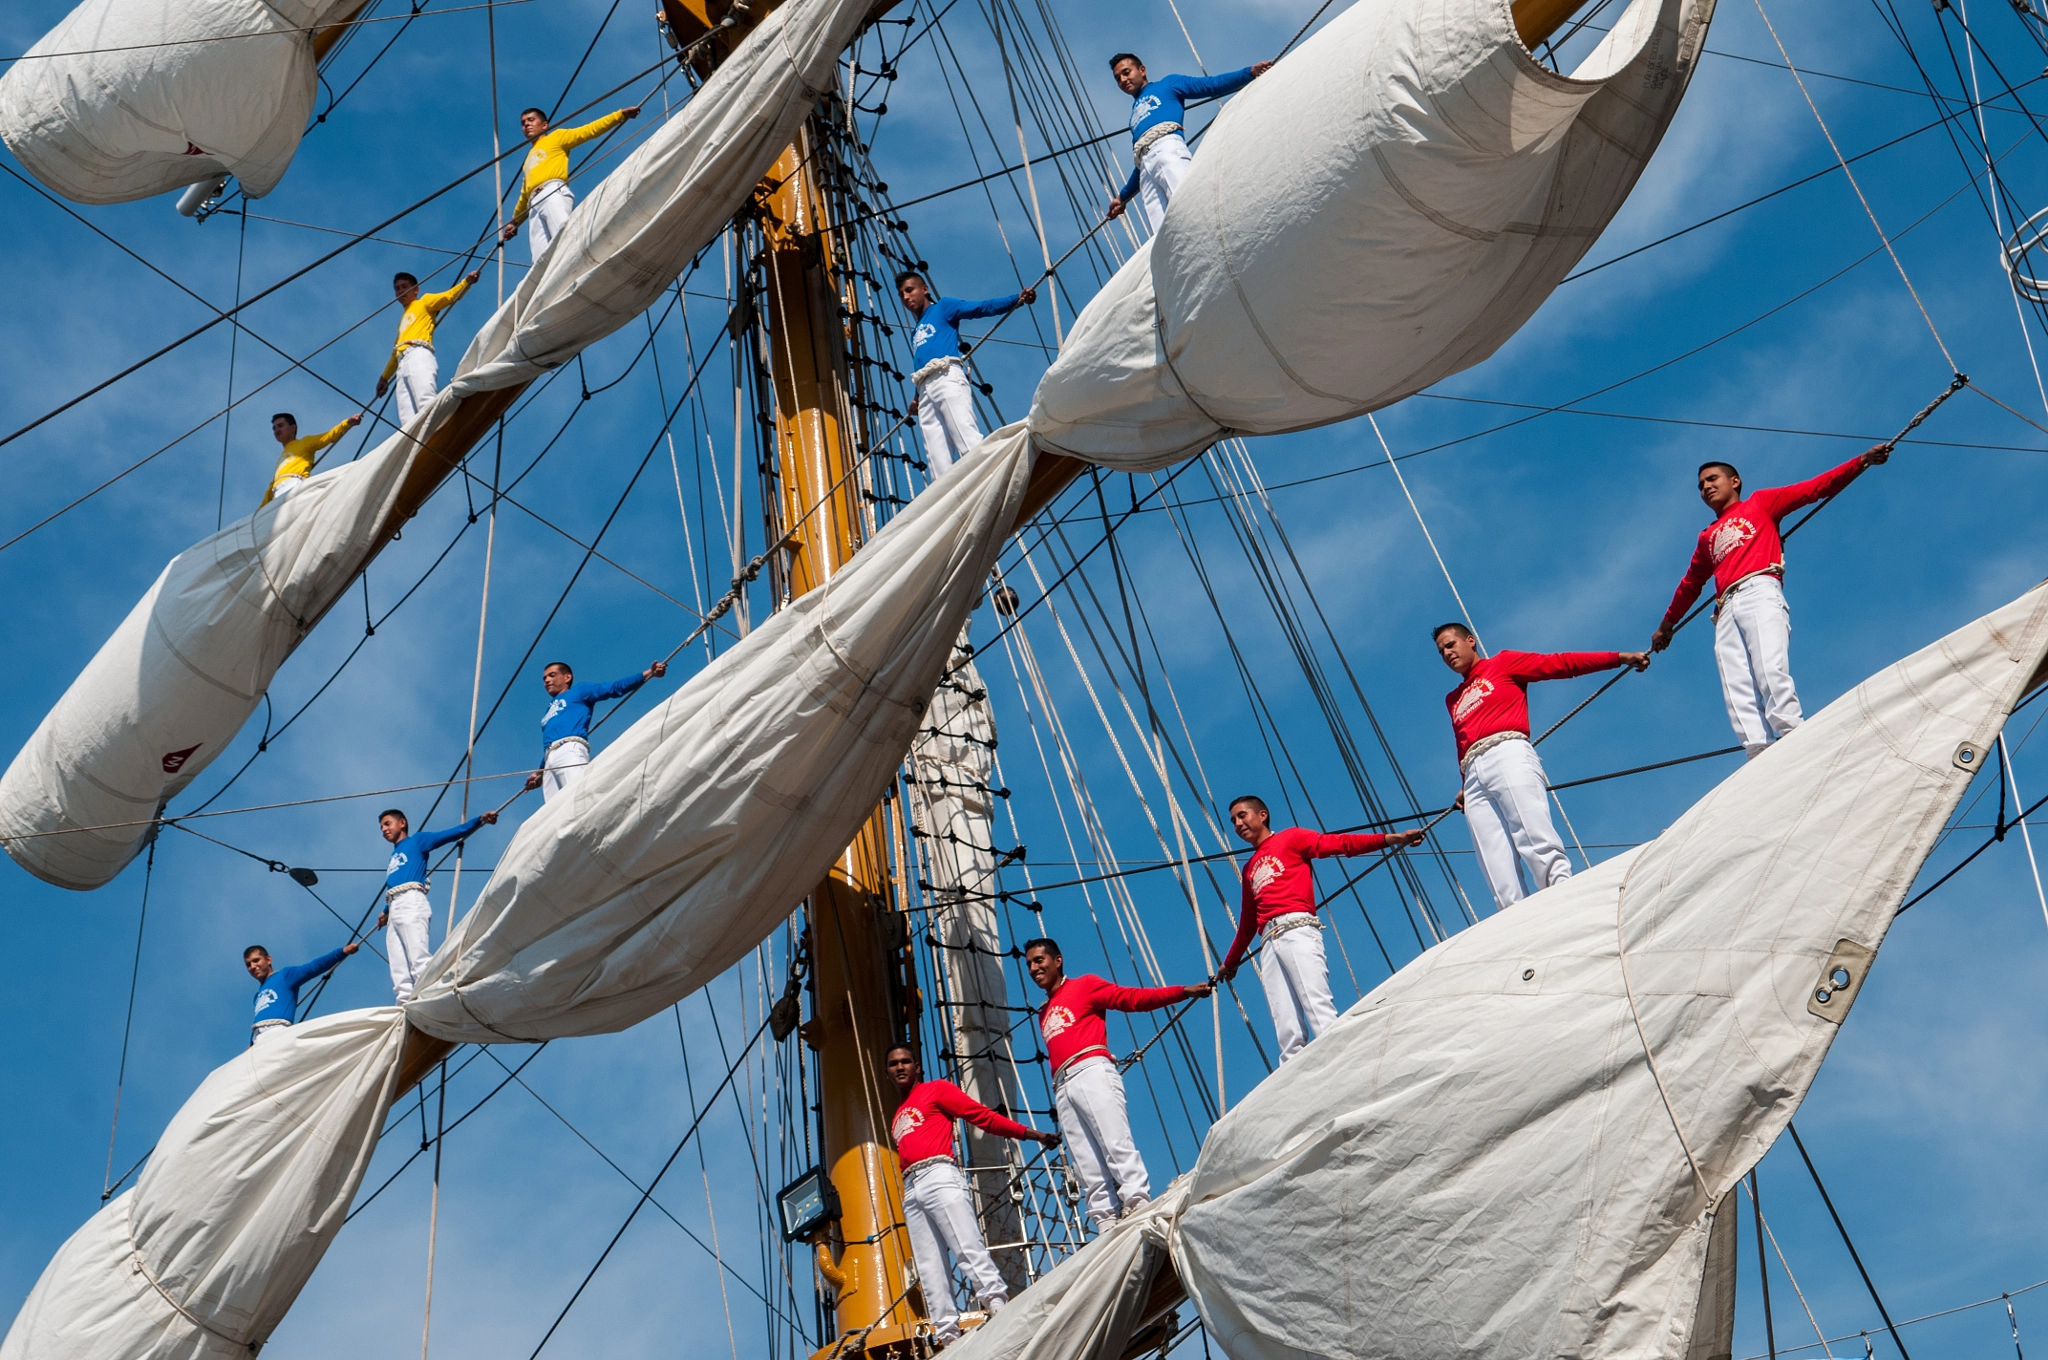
x=1811, y=1170
x=2026, y=834
x=128, y=1025
x=227, y=423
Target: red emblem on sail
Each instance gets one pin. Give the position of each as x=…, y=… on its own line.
x=174, y=761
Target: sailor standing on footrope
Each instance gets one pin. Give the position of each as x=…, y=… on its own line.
x=412, y=356
x=277, y=989
x=544, y=199
x=938, y=1211
x=1279, y=902
x=1745, y=555
x=407, y=912
x=944, y=404
x=1087, y=1088
x=1159, y=153
x=295, y=462
x=565, y=727
x=1506, y=795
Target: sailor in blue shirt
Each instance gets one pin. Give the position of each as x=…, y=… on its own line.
x=1159, y=154
x=407, y=912
x=944, y=404
x=277, y=989
x=565, y=727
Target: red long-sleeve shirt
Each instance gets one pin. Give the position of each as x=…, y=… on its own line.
x=1278, y=881
x=1072, y=1018
x=923, y=1126
x=1744, y=540
x=1494, y=695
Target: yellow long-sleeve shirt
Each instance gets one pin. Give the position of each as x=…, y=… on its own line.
x=416, y=327
x=297, y=458
x=549, y=157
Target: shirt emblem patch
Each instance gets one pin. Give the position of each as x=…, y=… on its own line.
x=1727, y=537
x=1474, y=695
x=908, y=1120
x=1262, y=873
x=556, y=707
x=925, y=331
x=397, y=863
x=265, y=997
x=1144, y=108
x=1058, y=1020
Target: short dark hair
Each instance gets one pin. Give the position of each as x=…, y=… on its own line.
x=286, y=415
x=1049, y=945
x=904, y=275
x=1452, y=627
x=542, y=112
x=911, y=1049
x=1125, y=56
x=254, y=949
x=1254, y=800
x=399, y=813
x=403, y=277
x=1717, y=463
x=563, y=664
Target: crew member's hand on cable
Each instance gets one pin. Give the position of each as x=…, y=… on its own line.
x=656, y=671
x=383, y=919
x=1027, y=297
x=354, y=420
x=508, y=231
x=912, y=408
x=1458, y=803
x=1114, y=210
x=533, y=781
x=1401, y=840
x=1226, y=974
x=1636, y=660
x=1877, y=453
x=472, y=276
x=1660, y=639
x=1260, y=68
x=1198, y=990
x=352, y=946
x=633, y=112
x=1051, y=1140
x=383, y=386
x=488, y=818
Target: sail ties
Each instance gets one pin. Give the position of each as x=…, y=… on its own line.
x=141, y=1267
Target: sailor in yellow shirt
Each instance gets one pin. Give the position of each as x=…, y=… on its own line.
x=412, y=358
x=545, y=196
x=295, y=464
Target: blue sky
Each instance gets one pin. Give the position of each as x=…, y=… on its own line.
x=1567, y=531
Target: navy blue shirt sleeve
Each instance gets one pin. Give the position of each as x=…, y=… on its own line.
x=617, y=689
x=1130, y=189
x=1207, y=87
x=434, y=840
x=295, y=977
x=967, y=311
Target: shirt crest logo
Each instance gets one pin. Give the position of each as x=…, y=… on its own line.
x=1144, y=108
x=1058, y=1020
x=1475, y=694
x=1263, y=871
x=925, y=331
x=1727, y=537
x=266, y=997
x=908, y=1120
x=556, y=707
x=397, y=862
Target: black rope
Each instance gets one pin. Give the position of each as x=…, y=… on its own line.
x=1824, y=1199
x=128, y=1025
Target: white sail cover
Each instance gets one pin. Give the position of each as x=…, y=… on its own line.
x=1494, y=1152
x=1380, y=211
x=170, y=689
x=680, y=849
x=244, y=1192
x=128, y=98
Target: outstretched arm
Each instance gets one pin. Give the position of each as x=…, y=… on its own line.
x=1779, y=501
x=1696, y=577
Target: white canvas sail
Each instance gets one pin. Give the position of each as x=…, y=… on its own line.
x=128, y=98
x=1521, y=1143
x=170, y=689
x=682, y=847
x=1313, y=268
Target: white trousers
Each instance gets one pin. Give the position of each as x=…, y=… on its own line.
x=1296, y=977
x=405, y=941
x=268, y=1028
x=1753, y=648
x=945, y=417
x=1097, y=1130
x=1159, y=174
x=939, y=1213
x=546, y=211
x=1507, y=807
x=418, y=378
x=286, y=487
x=564, y=767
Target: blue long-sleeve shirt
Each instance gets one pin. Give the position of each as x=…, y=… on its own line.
x=1165, y=100
x=277, y=996
x=568, y=713
x=938, y=329
x=409, y=856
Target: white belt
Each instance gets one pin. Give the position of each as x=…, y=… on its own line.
x=262, y=1026
x=1152, y=136
x=584, y=742
x=923, y=1162
x=1293, y=920
x=1777, y=571
x=416, y=344
x=547, y=186
x=935, y=368
x=1079, y=1060
x=391, y=895
x=1485, y=744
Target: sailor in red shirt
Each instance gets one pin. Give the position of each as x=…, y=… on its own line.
x=1742, y=551
x=938, y=1211
x=1279, y=900
x=1088, y=1091
x=1506, y=795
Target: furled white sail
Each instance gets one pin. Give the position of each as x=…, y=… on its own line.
x=170, y=689
x=128, y=98
x=1383, y=209
x=244, y=1192
x=1521, y=1143
x=682, y=847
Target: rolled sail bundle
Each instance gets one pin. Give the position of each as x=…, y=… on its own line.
x=128, y=98
x=686, y=842
x=170, y=689
x=1381, y=211
x=1520, y=1143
